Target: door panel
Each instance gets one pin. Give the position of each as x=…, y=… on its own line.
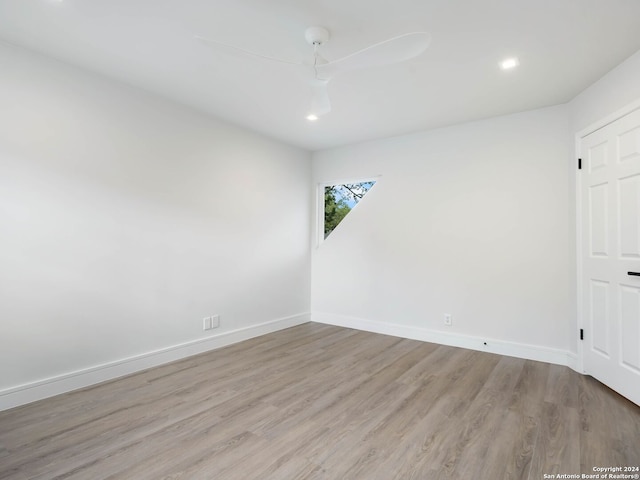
x=610, y=239
x=599, y=221
x=629, y=145
x=630, y=324
x=629, y=205
x=600, y=319
x=597, y=157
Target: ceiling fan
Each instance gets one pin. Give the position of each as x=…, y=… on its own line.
x=393, y=50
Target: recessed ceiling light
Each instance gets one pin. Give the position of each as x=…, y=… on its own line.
x=509, y=63
x=312, y=118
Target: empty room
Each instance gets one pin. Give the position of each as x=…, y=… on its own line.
x=325, y=240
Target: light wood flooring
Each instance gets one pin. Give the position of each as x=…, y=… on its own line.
x=322, y=402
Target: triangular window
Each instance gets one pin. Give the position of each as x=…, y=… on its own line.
x=339, y=200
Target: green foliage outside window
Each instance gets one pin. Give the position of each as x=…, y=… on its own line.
x=339, y=200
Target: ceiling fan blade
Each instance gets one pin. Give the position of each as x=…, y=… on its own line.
x=215, y=43
x=320, y=103
x=394, y=50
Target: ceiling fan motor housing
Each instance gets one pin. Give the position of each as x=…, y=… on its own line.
x=316, y=35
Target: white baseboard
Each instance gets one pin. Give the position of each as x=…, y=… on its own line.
x=500, y=347
x=33, y=391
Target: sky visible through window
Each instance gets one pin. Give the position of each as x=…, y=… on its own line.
x=339, y=200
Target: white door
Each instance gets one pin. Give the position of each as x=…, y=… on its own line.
x=610, y=245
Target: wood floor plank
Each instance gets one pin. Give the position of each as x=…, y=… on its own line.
x=223, y=442
x=319, y=402
x=421, y=447
x=597, y=406
x=524, y=438
x=557, y=449
x=528, y=394
x=481, y=419
x=562, y=389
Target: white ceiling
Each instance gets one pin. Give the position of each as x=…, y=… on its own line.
x=563, y=46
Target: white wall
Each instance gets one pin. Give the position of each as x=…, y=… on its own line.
x=615, y=90
x=472, y=220
x=125, y=219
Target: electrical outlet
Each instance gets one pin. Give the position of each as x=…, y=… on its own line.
x=448, y=319
x=209, y=323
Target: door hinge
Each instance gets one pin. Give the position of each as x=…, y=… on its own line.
x=581, y=334
x=579, y=164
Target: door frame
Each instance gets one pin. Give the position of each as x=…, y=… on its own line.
x=603, y=122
